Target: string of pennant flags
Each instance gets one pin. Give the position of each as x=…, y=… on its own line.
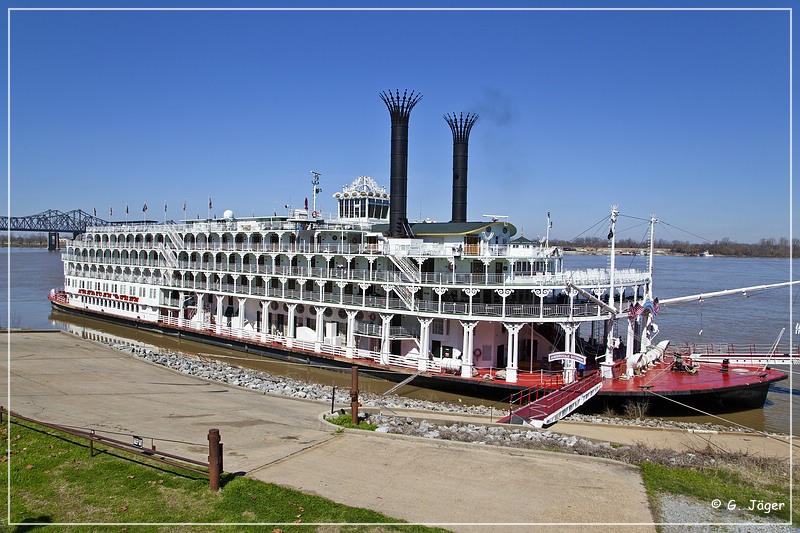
x=145, y=208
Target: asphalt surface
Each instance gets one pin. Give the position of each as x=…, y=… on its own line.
x=62, y=379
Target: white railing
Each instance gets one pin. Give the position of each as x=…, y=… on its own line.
x=308, y=346
x=583, y=278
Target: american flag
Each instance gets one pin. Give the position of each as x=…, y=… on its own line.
x=635, y=310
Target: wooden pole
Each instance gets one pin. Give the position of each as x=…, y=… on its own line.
x=214, y=459
x=354, y=395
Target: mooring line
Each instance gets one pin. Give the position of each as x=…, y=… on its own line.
x=763, y=433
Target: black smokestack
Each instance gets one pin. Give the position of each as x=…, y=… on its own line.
x=460, y=126
x=399, y=109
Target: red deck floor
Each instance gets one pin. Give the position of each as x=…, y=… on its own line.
x=660, y=379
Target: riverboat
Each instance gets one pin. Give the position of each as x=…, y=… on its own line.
x=459, y=305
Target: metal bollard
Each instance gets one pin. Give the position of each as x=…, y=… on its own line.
x=214, y=459
x=354, y=395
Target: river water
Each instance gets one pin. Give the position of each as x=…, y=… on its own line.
x=756, y=318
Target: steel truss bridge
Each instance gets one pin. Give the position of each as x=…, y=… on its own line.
x=53, y=222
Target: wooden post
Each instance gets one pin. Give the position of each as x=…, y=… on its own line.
x=354, y=395
x=214, y=459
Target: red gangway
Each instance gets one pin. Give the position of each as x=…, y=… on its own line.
x=552, y=407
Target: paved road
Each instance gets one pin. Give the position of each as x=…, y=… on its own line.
x=63, y=379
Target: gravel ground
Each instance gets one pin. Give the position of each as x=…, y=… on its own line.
x=687, y=514
x=682, y=511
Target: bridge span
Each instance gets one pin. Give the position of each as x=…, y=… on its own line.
x=53, y=222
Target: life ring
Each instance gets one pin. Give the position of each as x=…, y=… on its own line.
x=372, y=316
x=450, y=267
x=313, y=214
x=354, y=240
x=477, y=352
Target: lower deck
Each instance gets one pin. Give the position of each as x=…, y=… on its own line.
x=659, y=380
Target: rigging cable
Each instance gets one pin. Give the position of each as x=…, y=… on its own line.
x=764, y=433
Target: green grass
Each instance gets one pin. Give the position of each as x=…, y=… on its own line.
x=724, y=484
x=54, y=480
x=346, y=421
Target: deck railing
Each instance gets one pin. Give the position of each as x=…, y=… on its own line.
x=752, y=349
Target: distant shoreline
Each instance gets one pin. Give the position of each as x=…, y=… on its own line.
x=744, y=251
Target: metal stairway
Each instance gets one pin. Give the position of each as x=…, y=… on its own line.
x=411, y=273
x=552, y=407
x=170, y=256
x=177, y=241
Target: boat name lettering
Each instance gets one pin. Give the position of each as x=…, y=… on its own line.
x=566, y=356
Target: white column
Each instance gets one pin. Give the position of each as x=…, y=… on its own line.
x=350, y=336
x=424, y=342
x=320, y=328
x=321, y=284
x=220, y=315
x=468, y=349
x=341, y=285
x=570, y=328
x=240, y=303
x=264, y=320
x=386, y=320
x=512, y=359
x=631, y=338
x=504, y=293
x=439, y=292
x=290, y=326
x=470, y=292
x=388, y=288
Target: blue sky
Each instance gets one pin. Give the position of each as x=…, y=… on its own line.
x=682, y=114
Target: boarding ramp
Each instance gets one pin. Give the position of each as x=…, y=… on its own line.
x=554, y=406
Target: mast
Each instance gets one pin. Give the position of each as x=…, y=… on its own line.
x=314, y=182
x=606, y=366
x=742, y=290
x=612, y=236
x=653, y=221
x=547, y=235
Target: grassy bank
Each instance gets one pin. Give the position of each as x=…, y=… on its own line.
x=55, y=480
x=730, y=488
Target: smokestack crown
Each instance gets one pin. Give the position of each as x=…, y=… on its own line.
x=461, y=125
x=400, y=107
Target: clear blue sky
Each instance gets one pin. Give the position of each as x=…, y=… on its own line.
x=683, y=114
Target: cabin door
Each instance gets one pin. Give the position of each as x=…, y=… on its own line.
x=472, y=245
x=527, y=355
x=501, y=356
